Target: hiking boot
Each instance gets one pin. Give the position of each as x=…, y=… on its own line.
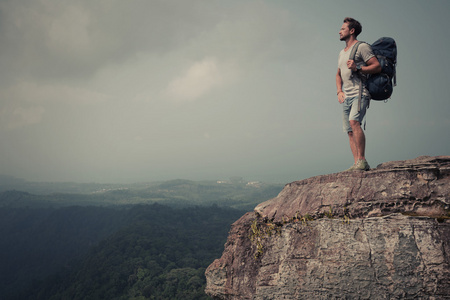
x=352, y=168
x=362, y=165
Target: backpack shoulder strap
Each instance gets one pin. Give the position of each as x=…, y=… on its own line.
x=352, y=57
x=353, y=52
x=354, y=49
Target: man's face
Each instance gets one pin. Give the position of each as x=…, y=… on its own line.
x=344, y=33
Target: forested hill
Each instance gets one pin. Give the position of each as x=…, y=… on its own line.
x=140, y=252
x=138, y=241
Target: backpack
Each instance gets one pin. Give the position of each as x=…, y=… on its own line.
x=380, y=85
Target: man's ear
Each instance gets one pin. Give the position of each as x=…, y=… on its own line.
x=352, y=31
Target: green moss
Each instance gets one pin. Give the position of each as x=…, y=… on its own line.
x=259, y=231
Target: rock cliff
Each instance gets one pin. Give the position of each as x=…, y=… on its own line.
x=380, y=234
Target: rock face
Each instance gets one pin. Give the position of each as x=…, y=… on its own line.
x=381, y=234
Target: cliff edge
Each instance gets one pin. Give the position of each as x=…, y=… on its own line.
x=380, y=234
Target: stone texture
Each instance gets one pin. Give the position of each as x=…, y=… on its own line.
x=381, y=234
x=419, y=186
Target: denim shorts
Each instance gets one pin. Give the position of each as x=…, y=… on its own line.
x=351, y=112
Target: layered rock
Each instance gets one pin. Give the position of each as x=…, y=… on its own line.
x=381, y=234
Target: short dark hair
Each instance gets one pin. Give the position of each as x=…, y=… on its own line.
x=353, y=24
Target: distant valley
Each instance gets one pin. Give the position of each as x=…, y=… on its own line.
x=135, y=241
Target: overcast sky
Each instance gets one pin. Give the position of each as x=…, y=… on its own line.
x=124, y=91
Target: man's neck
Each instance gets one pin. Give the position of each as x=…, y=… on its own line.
x=350, y=42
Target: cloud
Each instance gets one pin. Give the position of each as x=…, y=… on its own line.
x=25, y=103
x=69, y=31
x=16, y=116
x=240, y=44
x=199, y=79
x=250, y=33
x=74, y=39
x=45, y=38
x=32, y=92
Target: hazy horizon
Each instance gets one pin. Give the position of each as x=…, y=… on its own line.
x=7, y=179
x=144, y=91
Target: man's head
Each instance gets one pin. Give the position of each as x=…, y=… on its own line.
x=350, y=27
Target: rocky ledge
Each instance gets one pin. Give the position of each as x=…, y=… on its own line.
x=380, y=234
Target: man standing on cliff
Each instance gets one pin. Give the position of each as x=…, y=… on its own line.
x=348, y=80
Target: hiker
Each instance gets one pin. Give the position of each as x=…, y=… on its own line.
x=351, y=91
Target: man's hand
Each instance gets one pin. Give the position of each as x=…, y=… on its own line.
x=351, y=65
x=341, y=97
x=372, y=66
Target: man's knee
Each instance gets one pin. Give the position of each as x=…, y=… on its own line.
x=354, y=124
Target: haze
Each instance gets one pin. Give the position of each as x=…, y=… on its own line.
x=127, y=91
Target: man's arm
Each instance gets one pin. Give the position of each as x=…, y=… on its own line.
x=340, y=93
x=373, y=66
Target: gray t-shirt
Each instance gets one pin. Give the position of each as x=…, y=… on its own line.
x=350, y=84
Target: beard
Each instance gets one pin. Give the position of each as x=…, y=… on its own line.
x=344, y=37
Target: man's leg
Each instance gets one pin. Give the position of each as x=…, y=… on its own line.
x=351, y=139
x=357, y=141
x=355, y=133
